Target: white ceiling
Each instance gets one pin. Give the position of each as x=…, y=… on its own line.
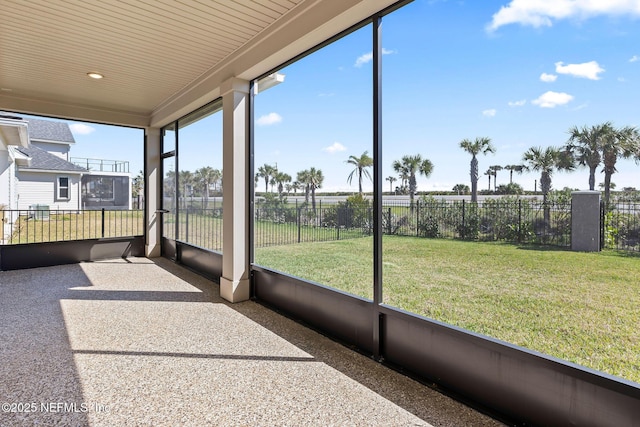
x=158, y=57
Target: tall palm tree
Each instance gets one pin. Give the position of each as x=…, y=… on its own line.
x=489, y=173
x=303, y=178
x=315, y=181
x=391, y=180
x=585, y=144
x=411, y=165
x=480, y=145
x=494, y=171
x=204, y=178
x=623, y=142
x=360, y=168
x=546, y=161
x=266, y=172
x=512, y=169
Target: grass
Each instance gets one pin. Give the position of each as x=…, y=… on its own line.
x=75, y=226
x=581, y=307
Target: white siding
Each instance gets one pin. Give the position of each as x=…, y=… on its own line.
x=60, y=150
x=38, y=188
x=5, y=178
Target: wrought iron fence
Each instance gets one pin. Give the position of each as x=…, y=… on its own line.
x=286, y=225
x=509, y=219
x=514, y=220
x=196, y=226
x=620, y=226
x=43, y=225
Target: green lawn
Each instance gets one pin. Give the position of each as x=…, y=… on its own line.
x=67, y=225
x=582, y=307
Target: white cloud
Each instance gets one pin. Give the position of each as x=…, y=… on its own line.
x=81, y=129
x=269, y=119
x=548, y=77
x=552, y=99
x=634, y=58
x=489, y=113
x=542, y=13
x=334, y=148
x=622, y=79
x=368, y=57
x=519, y=103
x=587, y=70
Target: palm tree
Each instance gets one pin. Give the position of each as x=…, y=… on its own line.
x=479, y=145
x=410, y=165
x=185, y=178
x=205, y=176
x=546, y=161
x=513, y=168
x=585, y=144
x=315, y=181
x=303, y=178
x=281, y=179
x=266, y=172
x=295, y=186
x=494, y=170
x=311, y=179
x=623, y=142
x=460, y=189
x=391, y=180
x=360, y=168
x=169, y=189
x=489, y=173
x=137, y=188
x=403, y=173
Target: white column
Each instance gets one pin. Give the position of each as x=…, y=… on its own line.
x=234, y=283
x=153, y=191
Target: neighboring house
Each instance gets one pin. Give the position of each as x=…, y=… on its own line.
x=13, y=135
x=36, y=170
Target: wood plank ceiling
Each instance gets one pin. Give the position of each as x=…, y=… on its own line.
x=147, y=50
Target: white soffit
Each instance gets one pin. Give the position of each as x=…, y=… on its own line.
x=151, y=52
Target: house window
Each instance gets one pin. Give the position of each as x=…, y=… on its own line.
x=63, y=187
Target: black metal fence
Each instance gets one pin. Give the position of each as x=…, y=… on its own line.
x=286, y=225
x=38, y=225
x=513, y=220
x=620, y=226
x=196, y=226
x=508, y=219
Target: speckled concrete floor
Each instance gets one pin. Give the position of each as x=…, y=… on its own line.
x=145, y=342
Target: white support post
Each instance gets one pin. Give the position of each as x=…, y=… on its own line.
x=153, y=192
x=234, y=283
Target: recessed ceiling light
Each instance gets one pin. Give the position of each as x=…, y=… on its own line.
x=95, y=75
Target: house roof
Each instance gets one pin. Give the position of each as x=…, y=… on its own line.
x=49, y=130
x=43, y=160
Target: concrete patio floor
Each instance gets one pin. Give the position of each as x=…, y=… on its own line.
x=146, y=342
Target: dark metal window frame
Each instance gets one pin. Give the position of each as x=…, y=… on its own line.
x=511, y=382
x=204, y=261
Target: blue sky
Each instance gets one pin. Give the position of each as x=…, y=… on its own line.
x=520, y=72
